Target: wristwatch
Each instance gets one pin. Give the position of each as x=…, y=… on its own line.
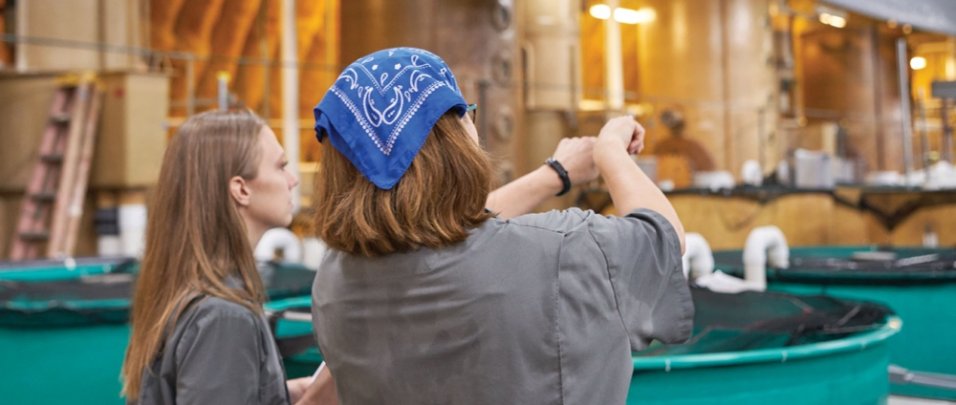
x=562, y=173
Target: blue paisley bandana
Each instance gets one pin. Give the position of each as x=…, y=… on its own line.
x=382, y=107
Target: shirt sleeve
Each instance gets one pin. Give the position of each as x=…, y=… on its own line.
x=644, y=265
x=218, y=358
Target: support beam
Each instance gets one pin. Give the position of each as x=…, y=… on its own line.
x=902, y=64
x=290, y=95
x=613, y=63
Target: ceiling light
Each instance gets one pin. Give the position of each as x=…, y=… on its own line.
x=833, y=20
x=832, y=17
x=631, y=16
x=600, y=11
x=623, y=15
x=918, y=62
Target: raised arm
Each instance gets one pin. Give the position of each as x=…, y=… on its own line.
x=527, y=192
x=630, y=188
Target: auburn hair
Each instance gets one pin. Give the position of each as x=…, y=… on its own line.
x=195, y=237
x=435, y=203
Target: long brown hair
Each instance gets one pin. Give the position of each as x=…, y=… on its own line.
x=195, y=237
x=440, y=197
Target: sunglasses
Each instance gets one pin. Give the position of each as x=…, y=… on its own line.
x=472, y=111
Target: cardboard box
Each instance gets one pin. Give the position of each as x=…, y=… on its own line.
x=69, y=33
x=129, y=143
x=132, y=131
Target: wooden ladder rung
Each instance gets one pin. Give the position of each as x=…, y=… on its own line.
x=61, y=119
x=45, y=196
x=35, y=236
x=53, y=158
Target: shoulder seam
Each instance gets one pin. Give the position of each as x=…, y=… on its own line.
x=582, y=215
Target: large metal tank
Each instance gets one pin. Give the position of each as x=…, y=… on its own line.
x=713, y=61
x=475, y=37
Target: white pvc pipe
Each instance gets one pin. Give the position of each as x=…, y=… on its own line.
x=751, y=173
x=723, y=283
x=313, y=250
x=765, y=245
x=698, y=259
x=290, y=96
x=132, y=229
x=279, y=239
x=699, y=262
x=109, y=246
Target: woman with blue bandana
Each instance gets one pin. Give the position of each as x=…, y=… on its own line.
x=427, y=296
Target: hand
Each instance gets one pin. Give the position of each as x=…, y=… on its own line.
x=316, y=390
x=624, y=130
x=577, y=157
x=297, y=388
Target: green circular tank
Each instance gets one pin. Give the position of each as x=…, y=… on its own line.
x=69, y=351
x=291, y=327
x=64, y=326
x=918, y=284
x=713, y=367
x=842, y=371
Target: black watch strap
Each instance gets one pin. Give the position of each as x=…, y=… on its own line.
x=562, y=173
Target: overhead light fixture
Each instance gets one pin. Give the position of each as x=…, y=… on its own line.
x=918, y=62
x=833, y=20
x=623, y=15
x=631, y=16
x=600, y=11
x=831, y=17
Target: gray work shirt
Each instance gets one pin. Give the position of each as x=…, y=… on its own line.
x=219, y=353
x=541, y=309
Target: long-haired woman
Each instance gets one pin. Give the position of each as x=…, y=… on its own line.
x=198, y=331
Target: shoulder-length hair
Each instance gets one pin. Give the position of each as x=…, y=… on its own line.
x=438, y=200
x=195, y=237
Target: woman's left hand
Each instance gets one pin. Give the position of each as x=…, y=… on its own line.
x=297, y=388
x=319, y=390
